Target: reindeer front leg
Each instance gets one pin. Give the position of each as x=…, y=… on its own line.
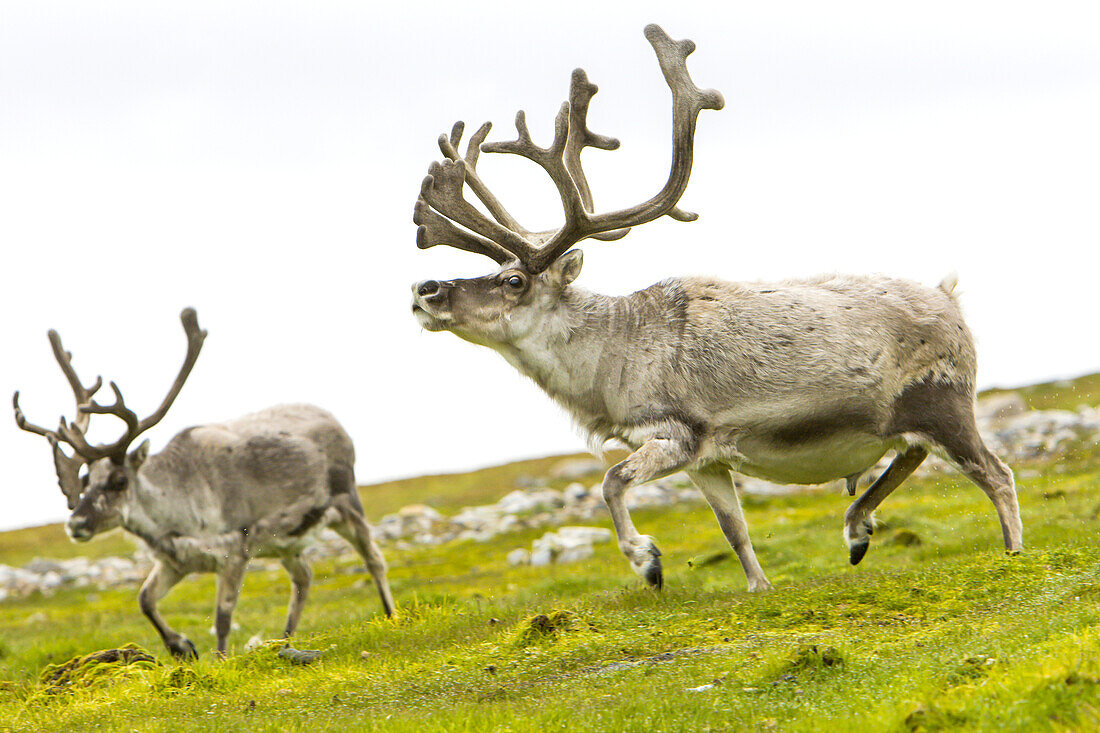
x=656, y=458
x=159, y=581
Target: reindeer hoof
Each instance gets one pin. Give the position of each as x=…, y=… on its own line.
x=646, y=562
x=183, y=649
x=858, y=539
x=654, y=575
x=857, y=551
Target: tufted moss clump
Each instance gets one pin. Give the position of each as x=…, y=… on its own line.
x=813, y=658
x=548, y=626
x=906, y=538
x=974, y=667
x=96, y=669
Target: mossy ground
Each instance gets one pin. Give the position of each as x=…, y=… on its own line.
x=941, y=633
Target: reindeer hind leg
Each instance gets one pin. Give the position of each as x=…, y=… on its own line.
x=858, y=523
x=970, y=454
x=230, y=579
x=943, y=413
x=301, y=577
x=353, y=528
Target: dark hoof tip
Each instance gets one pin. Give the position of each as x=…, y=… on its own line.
x=184, y=650
x=857, y=551
x=654, y=576
x=1012, y=553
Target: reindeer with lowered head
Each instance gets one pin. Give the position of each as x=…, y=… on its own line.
x=798, y=382
x=216, y=496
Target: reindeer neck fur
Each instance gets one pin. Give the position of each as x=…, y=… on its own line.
x=173, y=508
x=593, y=352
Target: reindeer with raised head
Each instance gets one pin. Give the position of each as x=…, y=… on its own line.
x=798, y=382
x=216, y=496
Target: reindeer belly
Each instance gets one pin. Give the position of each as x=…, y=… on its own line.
x=812, y=461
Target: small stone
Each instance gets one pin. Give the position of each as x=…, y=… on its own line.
x=364, y=655
x=646, y=495
x=519, y=556
x=703, y=688
x=541, y=557
x=300, y=656
x=574, y=553
x=583, y=535
x=575, y=493
x=419, y=510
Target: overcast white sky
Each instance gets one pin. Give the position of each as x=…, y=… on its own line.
x=259, y=161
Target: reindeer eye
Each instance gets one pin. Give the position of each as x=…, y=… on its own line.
x=116, y=482
x=515, y=282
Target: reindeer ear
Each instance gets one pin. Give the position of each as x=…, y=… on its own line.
x=138, y=455
x=567, y=267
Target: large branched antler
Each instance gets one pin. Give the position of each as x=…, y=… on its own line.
x=435, y=229
x=73, y=433
x=580, y=137
x=445, y=217
x=67, y=467
x=80, y=392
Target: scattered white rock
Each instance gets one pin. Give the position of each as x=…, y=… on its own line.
x=571, y=536
x=703, y=688
x=573, y=554
x=1000, y=406
x=519, y=502
x=542, y=556
x=647, y=495
x=519, y=556
x=575, y=493
x=254, y=643
x=567, y=544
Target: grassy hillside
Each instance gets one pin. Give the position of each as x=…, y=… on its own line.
x=1064, y=394
x=936, y=629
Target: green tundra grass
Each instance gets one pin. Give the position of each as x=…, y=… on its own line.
x=935, y=630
